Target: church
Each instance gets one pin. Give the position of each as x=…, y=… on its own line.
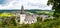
x=25, y=18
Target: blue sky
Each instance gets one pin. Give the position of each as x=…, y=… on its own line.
x=28, y=4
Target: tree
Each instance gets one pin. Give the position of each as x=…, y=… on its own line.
x=56, y=6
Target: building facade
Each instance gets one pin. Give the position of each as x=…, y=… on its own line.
x=25, y=18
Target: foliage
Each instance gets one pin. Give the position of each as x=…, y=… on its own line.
x=56, y=6
x=55, y=23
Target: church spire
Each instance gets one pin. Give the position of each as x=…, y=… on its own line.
x=22, y=9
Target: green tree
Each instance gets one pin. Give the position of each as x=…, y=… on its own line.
x=56, y=6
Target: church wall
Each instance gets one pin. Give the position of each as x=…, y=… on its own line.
x=22, y=17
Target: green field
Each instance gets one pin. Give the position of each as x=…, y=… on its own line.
x=9, y=12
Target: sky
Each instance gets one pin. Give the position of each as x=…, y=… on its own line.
x=28, y=4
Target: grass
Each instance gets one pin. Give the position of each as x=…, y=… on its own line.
x=5, y=14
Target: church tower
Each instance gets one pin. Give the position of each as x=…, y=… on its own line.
x=22, y=15
x=22, y=10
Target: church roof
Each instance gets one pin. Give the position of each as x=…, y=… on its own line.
x=30, y=17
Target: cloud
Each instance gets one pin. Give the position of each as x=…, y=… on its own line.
x=28, y=4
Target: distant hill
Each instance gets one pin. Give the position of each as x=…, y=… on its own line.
x=32, y=10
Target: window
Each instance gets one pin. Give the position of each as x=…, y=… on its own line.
x=18, y=20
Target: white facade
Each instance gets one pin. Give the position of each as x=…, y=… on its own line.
x=22, y=17
x=25, y=18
